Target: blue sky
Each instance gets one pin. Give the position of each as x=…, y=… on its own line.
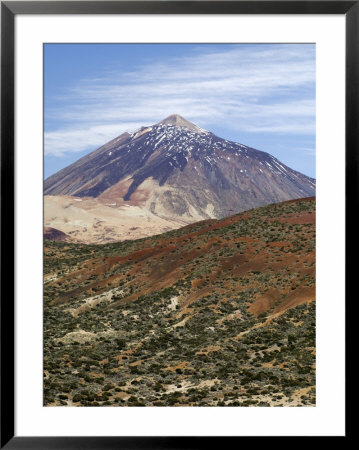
x=260, y=95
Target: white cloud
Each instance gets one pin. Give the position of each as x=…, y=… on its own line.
x=74, y=139
x=259, y=89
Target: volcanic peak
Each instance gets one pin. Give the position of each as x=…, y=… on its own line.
x=179, y=121
x=178, y=171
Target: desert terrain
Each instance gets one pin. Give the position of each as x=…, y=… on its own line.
x=95, y=221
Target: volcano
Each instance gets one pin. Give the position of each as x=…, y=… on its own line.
x=177, y=171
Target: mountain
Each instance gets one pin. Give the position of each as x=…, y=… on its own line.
x=220, y=312
x=179, y=172
x=52, y=234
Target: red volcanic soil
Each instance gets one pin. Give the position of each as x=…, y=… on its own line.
x=294, y=218
x=273, y=259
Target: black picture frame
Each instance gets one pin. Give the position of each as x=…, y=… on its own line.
x=9, y=9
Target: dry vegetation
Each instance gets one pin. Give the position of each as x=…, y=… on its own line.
x=218, y=313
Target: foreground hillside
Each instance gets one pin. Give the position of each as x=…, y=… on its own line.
x=220, y=312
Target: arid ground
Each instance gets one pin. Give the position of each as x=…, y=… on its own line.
x=216, y=313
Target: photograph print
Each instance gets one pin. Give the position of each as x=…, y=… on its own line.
x=179, y=225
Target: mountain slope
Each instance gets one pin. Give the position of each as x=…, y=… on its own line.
x=217, y=313
x=89, y=220
x=176, y=170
